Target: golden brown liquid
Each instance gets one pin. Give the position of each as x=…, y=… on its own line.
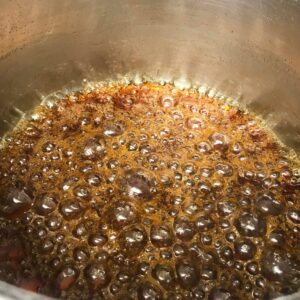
x=148, y=192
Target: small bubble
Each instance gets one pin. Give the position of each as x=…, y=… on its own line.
x=204, y=223
x=16, y=202
x=187, y=274
x=266, y=204
x=133, y=240
x=167, y=101
x=161, y=236
x=194, y=123
x=139, y=184
x=121, y=214
x=112, y=130
x=94, y=148
x=97, y=239
x=164, y=274
x=225, y=170
x=97, y=275
x=244, y=249
x=71, y=209
x=66, y=278
x=219, y=141
x=48, y=147
x=184, y=229
x=251, y=225
x=148, y=291
x=294, y=216
x=81, y=192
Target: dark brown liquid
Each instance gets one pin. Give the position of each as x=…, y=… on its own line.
x=148, y=192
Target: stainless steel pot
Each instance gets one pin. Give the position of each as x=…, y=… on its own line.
x=247, y=50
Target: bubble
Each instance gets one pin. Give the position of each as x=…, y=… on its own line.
x=204, y=223
x=164, y=274
x=252, y=268
x=179, y=250
x=161, y=236
x=71, y=209
x=47, y=246
x=189, y=168
x=81, y=255
x=112, y=164
x=227, y=253
x=187, y=274
x=219, y=141
x=194, y=123
x=68, y=182
x=266, y=204
x=53, y=223
x=97, y=275
x=167, y=101
x=80, y=230
x=278, y=266
x=121, y=214
x=81, y=192
x=191, y=209
x=48, y=147
x=177, y=115
x=94, y=180
x=66, y=278
x=102, y=256
x=245, y=249
x=94, y=149
x=144, y=268
x=139, y=184
x=206, y=172
x=251, y=225
x=165, y=254
x=33, y=132
x=224, y=169
x=46, y=204
x=133, y=240
x=198, y=293
x=220, y=294
x=206, y=239
x=97, y=239
x=145, y=149
x=226, y=208
x=113, y=130
x=147, y=291
x=184, y=229
x=123, y=277
x=237, y=148
x=114, y=288
x=124, y=102
x=132, y=146
x=83, y=121
x=294, y=216
x=16, y=202
x=204, y=147
x=208, y=273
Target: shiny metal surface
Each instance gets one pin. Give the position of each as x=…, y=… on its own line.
x=248, y=50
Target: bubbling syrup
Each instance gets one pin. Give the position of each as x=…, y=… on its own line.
x=148, y=192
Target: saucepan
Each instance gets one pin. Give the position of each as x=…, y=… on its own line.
x=247, y=50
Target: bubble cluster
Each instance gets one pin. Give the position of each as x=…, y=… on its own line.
x=148, y=192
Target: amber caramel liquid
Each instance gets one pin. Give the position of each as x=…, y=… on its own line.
x=148, y=192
